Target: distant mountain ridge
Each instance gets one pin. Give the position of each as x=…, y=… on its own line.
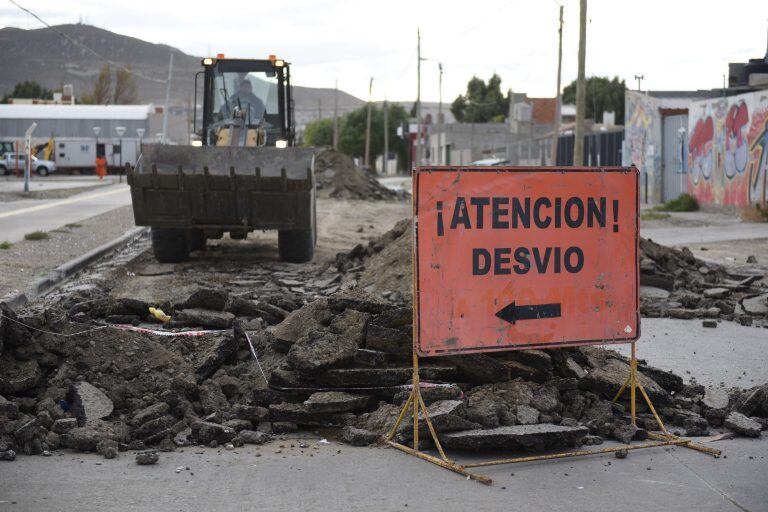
x=48, y=58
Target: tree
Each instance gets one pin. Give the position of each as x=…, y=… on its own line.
x=319, y=133
x=125, y=87
x=352, y=131
x=482, y=103
x=603, y=94
x=102, y=88
x=29, y=89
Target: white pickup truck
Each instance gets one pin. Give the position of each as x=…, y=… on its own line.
x=11, y=161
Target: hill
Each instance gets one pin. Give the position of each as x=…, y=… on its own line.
x=45, y=56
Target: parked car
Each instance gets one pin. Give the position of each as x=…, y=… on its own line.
x=10, y=161
x=491, y=162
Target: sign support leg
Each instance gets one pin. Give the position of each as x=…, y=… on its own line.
x=419, y=409
x=415, y=403
x=634, y=384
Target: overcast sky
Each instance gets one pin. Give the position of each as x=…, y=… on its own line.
x=676, y=44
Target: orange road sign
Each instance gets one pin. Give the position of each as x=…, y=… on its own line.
x=525, y=257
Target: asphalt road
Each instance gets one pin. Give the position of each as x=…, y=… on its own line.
x=18, y=218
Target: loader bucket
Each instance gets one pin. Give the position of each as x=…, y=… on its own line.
x=223, y=188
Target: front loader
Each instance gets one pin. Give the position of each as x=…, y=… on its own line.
x=244, y=175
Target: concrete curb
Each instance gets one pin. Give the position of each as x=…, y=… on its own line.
x=65, y=270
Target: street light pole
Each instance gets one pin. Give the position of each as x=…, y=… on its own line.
x=639, y=79
x=367, y=162
x=418, y=97
x=28, y=153
x=558, y=98
x=140, y=132
x=120, y=130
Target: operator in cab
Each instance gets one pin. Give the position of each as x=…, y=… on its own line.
x=252, y=106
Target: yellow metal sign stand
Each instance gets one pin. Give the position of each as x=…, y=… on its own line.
x=415, y=403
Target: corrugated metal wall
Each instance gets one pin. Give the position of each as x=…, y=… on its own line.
x=13, y=128
x=674, y=172
x=600, y=149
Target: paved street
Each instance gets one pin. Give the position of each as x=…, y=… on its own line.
x=20, y=217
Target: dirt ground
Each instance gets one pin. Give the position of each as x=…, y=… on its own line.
x=338, y=231
x=28, y=259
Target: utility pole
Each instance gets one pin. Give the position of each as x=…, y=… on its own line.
x=319, y=109
x=581, y=87
x=558, y=106
x=440, y=150
x=639, y=79
x=510, y=119
x=167, y=101
x=336, y=115
x=418, y=97
x=385, y=158
x=367, y=162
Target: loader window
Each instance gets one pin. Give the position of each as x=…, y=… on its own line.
x=254, y=94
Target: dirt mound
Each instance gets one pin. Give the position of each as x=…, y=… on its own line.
x=673, y=282
x=383, y=266
x=337, y=176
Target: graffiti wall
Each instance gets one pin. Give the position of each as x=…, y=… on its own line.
x=642, y=142
x=728, y=149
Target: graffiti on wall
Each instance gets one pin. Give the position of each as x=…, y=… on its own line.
x=728, y=149
x=642, y=140
x=638, y=129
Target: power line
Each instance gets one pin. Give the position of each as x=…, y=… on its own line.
x=78, y=43
x=487, y=18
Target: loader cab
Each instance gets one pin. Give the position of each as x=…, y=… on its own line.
x=246, y=103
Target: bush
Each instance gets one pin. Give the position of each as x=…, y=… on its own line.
x=6, y=245
x=36, y=235
x=684, y=203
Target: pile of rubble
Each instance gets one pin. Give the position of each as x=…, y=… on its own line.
x=337, y=176
x=673, y=283
x=341, y=361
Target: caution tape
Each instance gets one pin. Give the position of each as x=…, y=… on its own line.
x=122, y=327
x=127, y=327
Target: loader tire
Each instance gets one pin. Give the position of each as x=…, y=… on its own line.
x=296, y=246
x=196, y=239
x=170, y=245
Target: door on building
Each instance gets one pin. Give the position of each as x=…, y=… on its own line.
x=674, y=172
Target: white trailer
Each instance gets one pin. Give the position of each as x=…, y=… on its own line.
x=79, y=153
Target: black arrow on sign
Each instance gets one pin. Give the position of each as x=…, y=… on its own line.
x=512, y=313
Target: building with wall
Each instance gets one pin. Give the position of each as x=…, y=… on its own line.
x=726, y=149
x=708, y=143
x=524, y=139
